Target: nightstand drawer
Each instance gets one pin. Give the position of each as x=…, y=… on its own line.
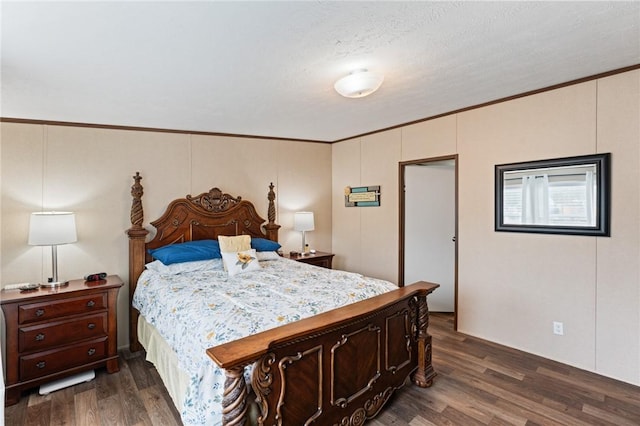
x=324, y=262
x=43, y=363
x=37, y=337
x=58, y=308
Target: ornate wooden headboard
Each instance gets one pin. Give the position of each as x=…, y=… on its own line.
x=204, y=216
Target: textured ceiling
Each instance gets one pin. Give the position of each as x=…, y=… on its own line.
x=268, y=68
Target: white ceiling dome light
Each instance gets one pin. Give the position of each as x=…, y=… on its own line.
x=358, y=84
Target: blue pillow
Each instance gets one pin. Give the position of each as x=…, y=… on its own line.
x=262, y=244
x=187, y=252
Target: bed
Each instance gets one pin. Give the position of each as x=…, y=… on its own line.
x=336, y=360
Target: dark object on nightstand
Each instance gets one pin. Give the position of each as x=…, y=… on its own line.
x=29, y=287
x=318, y=258
x=96, y=277
x=54, y=333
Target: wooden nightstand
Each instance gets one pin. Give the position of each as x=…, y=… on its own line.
x=53, y=333
x=318, y=258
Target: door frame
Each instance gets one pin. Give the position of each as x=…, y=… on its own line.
x=401, y=219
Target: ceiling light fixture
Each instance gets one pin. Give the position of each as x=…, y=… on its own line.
x=358, y=84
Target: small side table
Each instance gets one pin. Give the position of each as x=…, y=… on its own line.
x=318, y=258
x=53, y=333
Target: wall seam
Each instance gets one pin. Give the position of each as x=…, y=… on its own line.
x=360, y=266
x=45, y=139
x=277, y=189
x=456, y=135
x=401, y=144
x=595, y=302
x=43, y=168
x=190, y=163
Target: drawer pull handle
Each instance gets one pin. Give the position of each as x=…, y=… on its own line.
x=40, y=312
x=91, y=304
x=91, y=351
x=91, y=326
x=39, y=337
x=41, y=364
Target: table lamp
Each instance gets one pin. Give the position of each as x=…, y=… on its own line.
x=303, y=221
x=52, y=229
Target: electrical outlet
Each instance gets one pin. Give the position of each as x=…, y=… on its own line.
x=558, y=328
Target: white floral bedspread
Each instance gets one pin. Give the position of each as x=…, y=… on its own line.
x=195, y=311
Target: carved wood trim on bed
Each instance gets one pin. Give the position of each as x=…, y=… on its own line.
x=204, y=216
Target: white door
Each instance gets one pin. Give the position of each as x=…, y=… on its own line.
x=429, y=247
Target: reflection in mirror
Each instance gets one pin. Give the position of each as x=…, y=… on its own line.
x=567, y=195
x=551, y=196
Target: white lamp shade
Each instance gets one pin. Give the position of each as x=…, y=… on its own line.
x=303, y=221
x=358, y=84
x=52, y=228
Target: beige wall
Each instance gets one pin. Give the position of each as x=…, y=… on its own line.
x=512, y=286
x=89, y=171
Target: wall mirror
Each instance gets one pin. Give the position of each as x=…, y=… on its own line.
x=558, y=196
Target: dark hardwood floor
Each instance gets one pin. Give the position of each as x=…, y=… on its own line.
x=478, y=383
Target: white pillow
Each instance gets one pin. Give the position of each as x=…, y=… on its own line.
x=268, y=255
x=182, y=267
x=239, y=262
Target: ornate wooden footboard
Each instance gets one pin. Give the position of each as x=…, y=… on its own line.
x=336, y=368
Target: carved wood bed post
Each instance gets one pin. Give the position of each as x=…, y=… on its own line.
x=137, y=235
x=234, y=398
x=271, y=228
x=425, y=374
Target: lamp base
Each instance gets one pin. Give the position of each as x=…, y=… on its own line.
x=55, y=284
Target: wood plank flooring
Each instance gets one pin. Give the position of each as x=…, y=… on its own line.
x=478, y=383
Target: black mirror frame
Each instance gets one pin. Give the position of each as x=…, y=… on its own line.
x=602, y=228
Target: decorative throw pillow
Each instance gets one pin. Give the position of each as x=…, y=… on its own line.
x=187, y=252
x=262, y=244
x=239, y=262
x=234, y=244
